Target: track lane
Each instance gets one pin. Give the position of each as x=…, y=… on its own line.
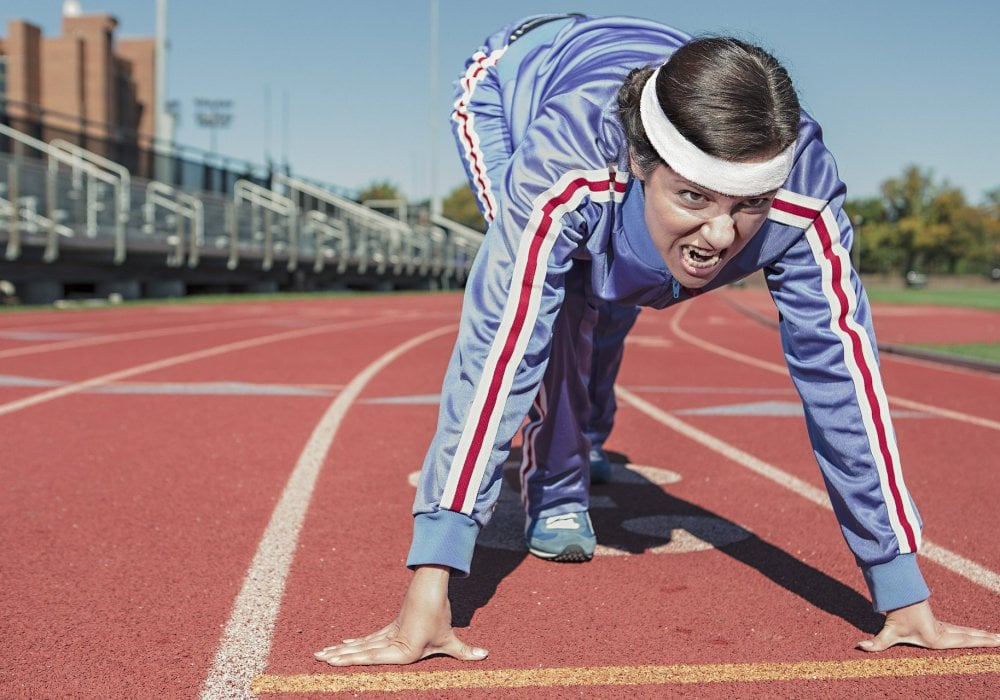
x=529, y=614
x=132, y=518
x=518, y=632
x=165, y=363
x=125, y=534
x=929, y=433
x=246, y=642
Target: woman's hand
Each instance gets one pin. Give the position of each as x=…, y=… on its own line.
x=917, y=625
x=422, y=628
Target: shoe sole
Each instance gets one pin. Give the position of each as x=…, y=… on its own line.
x=573, y=554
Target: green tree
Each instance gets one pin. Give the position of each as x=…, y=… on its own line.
x=875, y=248
x=991, y=243
x=380, y=189
x=907, y=200
x=460, y=205
x=954, y=232
x=981, y=227
x=918, y=224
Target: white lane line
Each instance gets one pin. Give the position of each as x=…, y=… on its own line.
x=947, y=413
x=783, y=370
x=246, y=641
x=120, y=337
x=792, y=483
x=106, y=379
x=181, y=388
x=955, y=563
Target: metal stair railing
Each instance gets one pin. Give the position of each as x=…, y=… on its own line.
x=96, y=169
x=272, y=203
x=183, y=207
x=83, y=170
x=323, y=228
x=461, y=247
x=26, y=210
x=70, y=192
x=375, y=237
x=15, y=197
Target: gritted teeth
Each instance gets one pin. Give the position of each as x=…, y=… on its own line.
x=700, y=257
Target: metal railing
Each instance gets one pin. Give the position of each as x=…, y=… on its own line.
x=179, y=207
x=324, y=229
x=462, y=243
x=280, y=216
x=376, y=240
x=85, y=193
x=67, y=199
x=88, y=170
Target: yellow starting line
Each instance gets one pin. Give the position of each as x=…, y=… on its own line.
x=400, y=681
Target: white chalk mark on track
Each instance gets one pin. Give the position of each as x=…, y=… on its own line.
x=955, y=563
x=246, y=641
x=106, y=379
x=781, y=369
x=104, y=339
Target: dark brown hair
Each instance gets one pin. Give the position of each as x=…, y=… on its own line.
x=729, y=98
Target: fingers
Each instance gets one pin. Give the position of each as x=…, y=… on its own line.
x=881, y=642
x=387, y=631
x=458, y=649
x=362, y=650
x=939, y=636
x=956, y=637
x=367, y=654
x=349, y=646
x=375, y=649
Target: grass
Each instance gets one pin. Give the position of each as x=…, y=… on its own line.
x=220, y=298
x=975, y=297
x=978, y=351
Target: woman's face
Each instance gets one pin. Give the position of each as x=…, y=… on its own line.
x=698, y=230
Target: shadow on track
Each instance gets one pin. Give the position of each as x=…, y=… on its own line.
x=649, y=518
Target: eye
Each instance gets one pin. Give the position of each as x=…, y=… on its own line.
x=691, y=197
x=756, y=203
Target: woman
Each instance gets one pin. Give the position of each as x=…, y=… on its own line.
x=622, y=164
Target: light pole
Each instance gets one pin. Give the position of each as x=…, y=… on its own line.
x=214, y=114
x=435, y=195
x=163, y=120
x=856, y=248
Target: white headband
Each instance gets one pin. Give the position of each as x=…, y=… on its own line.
x=690, y=162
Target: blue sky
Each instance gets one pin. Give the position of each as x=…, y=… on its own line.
x=894, y=82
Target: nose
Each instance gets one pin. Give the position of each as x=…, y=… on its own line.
x=719, y=231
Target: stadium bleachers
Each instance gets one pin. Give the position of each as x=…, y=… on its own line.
x=73, y=223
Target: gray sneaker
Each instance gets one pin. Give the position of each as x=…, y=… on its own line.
x=563, y=538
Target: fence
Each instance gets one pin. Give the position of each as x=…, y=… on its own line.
x=73, y=219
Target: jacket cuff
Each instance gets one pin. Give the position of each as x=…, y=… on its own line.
x=896, y=583
x=443, y=538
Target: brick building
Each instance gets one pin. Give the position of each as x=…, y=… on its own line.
x=85, y=86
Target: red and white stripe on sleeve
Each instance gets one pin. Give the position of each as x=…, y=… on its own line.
x=517, y=326
x=823, y=234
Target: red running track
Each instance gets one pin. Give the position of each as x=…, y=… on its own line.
x=197, y=497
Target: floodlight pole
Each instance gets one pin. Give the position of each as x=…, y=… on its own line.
x=214, y=114
x=856, y=248
x=163, y=136
x=435, y=197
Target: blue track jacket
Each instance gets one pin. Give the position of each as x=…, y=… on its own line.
x=564, y=195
